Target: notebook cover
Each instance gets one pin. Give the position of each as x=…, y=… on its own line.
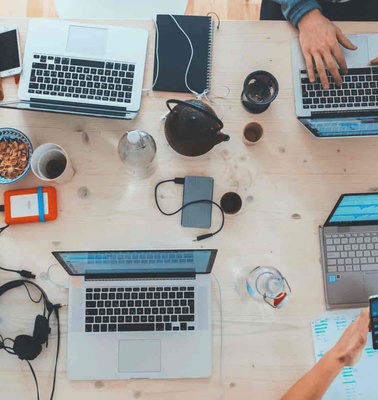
x=174, y=53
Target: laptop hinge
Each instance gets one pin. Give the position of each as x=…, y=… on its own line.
x=344, y=114
x=77, y=108
x=62, y=103
x=139, y=277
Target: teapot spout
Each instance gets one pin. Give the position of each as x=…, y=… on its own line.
x=222, y=137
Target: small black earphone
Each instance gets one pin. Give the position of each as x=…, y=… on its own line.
x=27, y=347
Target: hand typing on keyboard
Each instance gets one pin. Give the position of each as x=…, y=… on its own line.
x=320, y=40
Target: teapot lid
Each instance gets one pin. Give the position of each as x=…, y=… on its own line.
x=193, y=105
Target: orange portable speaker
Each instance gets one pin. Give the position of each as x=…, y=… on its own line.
x=30, y=205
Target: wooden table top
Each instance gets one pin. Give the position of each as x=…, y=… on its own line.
x=288, y=182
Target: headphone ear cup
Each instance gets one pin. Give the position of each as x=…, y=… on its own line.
x=41, y=329
x=26, y=347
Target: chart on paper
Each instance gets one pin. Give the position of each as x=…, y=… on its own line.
x=353, y=383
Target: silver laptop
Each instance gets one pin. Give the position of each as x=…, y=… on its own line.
x=139, y=314
x=82, y=69
x=347, y=111
x=349, y=243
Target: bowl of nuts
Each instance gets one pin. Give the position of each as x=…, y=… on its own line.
x=15, y=154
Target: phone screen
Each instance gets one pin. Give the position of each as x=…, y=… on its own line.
x=373, y=302
x=9, y=57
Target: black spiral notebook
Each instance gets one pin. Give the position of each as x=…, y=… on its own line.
x=174, y=53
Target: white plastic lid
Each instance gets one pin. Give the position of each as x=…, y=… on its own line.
x=133, y=137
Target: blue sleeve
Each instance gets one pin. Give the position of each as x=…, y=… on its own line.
x=294, y=10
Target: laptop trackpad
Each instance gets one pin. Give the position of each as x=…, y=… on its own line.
x=139, y=356
x=371, y=284
x=359, y=56
x=87, y=40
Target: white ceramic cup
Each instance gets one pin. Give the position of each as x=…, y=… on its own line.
x=51, y=163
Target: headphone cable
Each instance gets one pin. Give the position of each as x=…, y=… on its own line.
x=3, y=228
x=56, y=312
x=35, y=378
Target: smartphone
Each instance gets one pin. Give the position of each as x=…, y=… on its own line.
x=197, y=215
x=10, y=59
x=373, y=305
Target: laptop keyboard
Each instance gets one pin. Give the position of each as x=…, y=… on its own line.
x=352, y=252
x=359, y=89
x=139, y=309
x=81, y=79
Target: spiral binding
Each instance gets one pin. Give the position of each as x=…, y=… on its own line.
x=210, y=54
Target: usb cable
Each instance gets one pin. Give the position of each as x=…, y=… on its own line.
x=181, y=181
x=21, y=272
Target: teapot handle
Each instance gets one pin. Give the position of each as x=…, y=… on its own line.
x=173, y=101
x=195, y=107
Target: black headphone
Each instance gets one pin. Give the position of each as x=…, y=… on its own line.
x=27, y=347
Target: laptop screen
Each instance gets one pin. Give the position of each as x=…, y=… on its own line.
x=136, y=262
x=356, y=209
x=366, y=125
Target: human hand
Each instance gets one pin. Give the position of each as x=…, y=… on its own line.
x=375, y=61
x=349, y=347
x=319, y=39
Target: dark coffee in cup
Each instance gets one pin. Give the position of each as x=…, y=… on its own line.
x=55, y=167
x=231, y=203
x=253, y=132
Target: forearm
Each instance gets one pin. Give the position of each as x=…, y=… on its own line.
x=294, y=10
x=316, y=382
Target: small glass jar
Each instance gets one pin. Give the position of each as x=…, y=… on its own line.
x=137, y=150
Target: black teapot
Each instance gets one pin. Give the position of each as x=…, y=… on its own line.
x=192, y=128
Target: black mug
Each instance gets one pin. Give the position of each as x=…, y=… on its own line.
x=260, y=88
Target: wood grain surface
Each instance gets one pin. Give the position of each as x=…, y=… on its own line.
x=226, y=9
x=288, y=183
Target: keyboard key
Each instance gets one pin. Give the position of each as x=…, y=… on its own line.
x=85, y=63
x=136, y=327
x=183, y=326
x=186, y=318
x=369, y=267
x=333, y=255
